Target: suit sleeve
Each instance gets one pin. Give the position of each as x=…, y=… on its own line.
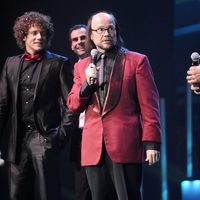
x=69, y=120
x=148, y=97
x=4, y=99
x=77, y=101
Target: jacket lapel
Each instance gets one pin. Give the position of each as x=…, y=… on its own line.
x=115, y=84
x=15, y=64
x=44, y=68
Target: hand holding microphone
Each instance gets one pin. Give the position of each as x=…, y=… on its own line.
x=193, y=74
x=2, y=162
x=91, y=72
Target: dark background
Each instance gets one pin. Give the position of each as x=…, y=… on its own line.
x=147, y=27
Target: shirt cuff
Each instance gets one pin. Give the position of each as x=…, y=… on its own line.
x=87, y=90
x=152, y=146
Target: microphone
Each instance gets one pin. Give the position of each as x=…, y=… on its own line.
x=195, y=59
x=93, y=54
x=1, y=160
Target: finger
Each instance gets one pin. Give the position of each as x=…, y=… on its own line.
x=154, y=158
x=147, y=158
x=188, y=77
x=150, y=159
x=188, y=72
x=193, y=87
x=157, y=156
x=197, y=91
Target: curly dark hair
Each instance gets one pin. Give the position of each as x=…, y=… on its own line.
x=24, y=22
x=90, y=44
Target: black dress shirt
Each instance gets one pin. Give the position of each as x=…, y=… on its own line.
x=28, y=79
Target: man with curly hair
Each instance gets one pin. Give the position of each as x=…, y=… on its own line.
x=32, y=86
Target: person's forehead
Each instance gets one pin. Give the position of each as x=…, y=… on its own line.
x=37, y=27
x=101, y=19
x=78, y=32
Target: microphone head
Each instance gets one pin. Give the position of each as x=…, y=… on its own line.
x=94, y=53
x=2, y=162
x=195, y=57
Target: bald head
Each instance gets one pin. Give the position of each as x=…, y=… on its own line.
x=102, y=18
x=103, y=31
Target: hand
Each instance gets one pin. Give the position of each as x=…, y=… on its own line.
x=90, y=72
x=197, y=91
x=2, y=162
x=193, y=75
x=196, y=88
x=152, y=156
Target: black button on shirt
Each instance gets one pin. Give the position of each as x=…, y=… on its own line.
x=27, y=84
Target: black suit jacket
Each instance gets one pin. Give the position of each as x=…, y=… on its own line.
x=53, y=84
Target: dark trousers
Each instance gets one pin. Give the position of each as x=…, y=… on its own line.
x=36, y=176
x=82, y=190
x=121, y=180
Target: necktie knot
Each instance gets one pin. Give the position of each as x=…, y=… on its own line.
x=103, y=56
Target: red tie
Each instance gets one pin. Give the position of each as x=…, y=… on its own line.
x=28, y=56
x=101, y=70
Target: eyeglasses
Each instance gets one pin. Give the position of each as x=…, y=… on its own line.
x=100, y=31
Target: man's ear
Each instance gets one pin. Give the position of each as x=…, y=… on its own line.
x=91, y=36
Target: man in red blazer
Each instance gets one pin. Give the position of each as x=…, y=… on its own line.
x=122, y=124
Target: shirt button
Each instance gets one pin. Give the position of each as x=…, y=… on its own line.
x=27, y=89
x=26, y=102
x=28, y=76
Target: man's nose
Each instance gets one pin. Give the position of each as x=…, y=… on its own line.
x=39, y=35
x=106, y=32
x=79, y=40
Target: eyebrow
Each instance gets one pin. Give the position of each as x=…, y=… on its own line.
x=76, y=38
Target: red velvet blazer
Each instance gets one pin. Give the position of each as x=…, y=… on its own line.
x=130, y=114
